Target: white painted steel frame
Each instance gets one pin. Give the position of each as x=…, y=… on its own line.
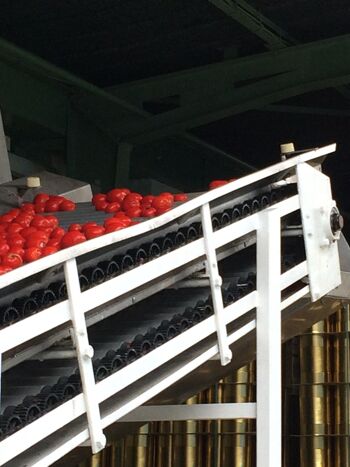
x=74, y=408
x=79, y=303
x=163, y=413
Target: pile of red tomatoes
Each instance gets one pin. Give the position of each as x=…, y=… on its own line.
x=134, y=204
x=32, y=231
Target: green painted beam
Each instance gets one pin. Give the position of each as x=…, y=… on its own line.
x=200, y=82
x=253, y=20
x=32, y=98
x=299, y=109
x=288, y=72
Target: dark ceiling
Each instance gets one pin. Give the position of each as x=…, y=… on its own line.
x=109, y=42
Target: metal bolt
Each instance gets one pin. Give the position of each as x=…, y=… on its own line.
x=336, y=220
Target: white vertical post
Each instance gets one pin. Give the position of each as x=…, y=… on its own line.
x=268, y=345
x=215, y=285
x=85, y=353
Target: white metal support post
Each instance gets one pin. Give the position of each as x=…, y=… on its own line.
x=268, y=343
x=85, y=353
x=215, y=285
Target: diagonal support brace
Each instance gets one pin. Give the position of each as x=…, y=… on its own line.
x=85, y=353
x=215, y=285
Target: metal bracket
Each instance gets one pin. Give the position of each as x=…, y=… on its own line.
x=85, y=353
x=215, y=285
x=320, y=237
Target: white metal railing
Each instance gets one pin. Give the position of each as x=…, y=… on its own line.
x=266, y=299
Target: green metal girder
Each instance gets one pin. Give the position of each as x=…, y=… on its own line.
x=45, y=94
x=283, y=74
x=299, y=109
x=200, y=82
x=255, y=22
x=32, y=98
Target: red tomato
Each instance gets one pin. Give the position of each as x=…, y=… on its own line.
x=37, y=239
x=134, y=212
x=14, y=212
x=217, y=183
x=53, y=205
x=12, y=260
x=180, y=197
x=147, y=200
x=73, y=227
x=123, y=218
x=87, y=225
x=17, y=250
x=4, y=269
x=47, y=230
x=167, y=194
x=67, y=205
x=101, y=205
x=28, y=207
x=26, y=231
x=15, y=240
x=24, y=219
x=49, y=250
x=72, y=238
x=117, y=195
x=114, y=227
x=41, y=222
x=94, y=231
x=132, y=200
x=7, y=218
x=32, y=254
x=112, y=207
x=14, y=228
x=4, y=248
x=58, y=232
x=53, y=221
x=120, y=214
x=55, y=242
x=162, y=202
x=148, y=212
x=39, y=208
x=58, y=198
x=98, y=197
x=41, y=198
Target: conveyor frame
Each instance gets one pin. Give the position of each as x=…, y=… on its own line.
x=266, y=299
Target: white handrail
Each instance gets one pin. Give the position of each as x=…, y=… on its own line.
x=147, y=226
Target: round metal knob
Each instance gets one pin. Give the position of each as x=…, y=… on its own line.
x=337, y=221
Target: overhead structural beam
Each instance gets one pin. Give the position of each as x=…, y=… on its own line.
x=38, y=91
x=206, y=81
x=299, y=109
x=282, y=74
x=253, y=20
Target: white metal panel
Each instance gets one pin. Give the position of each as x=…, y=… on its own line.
x=321, y=249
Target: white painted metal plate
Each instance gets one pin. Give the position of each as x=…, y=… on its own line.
x=321, y=248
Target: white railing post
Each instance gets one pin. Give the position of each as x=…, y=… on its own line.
x=85, y=353
x=268, y=335
x=215, y=285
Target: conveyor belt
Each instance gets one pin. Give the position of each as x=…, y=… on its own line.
x=22, y=403
x=38, y=382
